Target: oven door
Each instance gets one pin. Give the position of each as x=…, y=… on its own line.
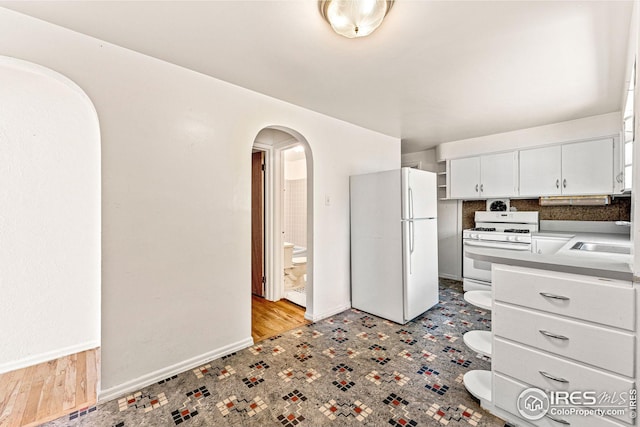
x=481, y=270
x=474, y=269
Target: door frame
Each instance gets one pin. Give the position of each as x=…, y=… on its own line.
x=268, y=252
x=279, y=149
x=258, y=289
x=274, y=209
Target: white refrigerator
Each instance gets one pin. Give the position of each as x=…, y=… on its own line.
x=394, y=243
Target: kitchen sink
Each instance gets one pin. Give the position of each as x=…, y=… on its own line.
x=602, y=247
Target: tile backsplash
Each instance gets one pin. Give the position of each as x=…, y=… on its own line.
x=618, y=210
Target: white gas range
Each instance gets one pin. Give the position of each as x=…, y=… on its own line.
x=500, y=230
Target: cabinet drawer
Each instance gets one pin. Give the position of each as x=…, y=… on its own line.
x=608, y=302
x=506, y=392
x=526, y=365
x=602, y=347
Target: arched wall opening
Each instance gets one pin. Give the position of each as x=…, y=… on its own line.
x=274, y=140
x=50, y=216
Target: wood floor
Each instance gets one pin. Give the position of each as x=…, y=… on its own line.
x=270, y=318
x=44, y=392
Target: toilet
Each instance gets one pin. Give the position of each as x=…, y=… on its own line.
x=299, y=260
x=300, y=269
x=295, y=268
x=295, y=274
x=288, y=255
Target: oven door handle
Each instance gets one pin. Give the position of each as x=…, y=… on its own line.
x=498, y=245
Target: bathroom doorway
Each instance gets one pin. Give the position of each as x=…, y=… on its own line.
x=294, y=224
x=287, y=235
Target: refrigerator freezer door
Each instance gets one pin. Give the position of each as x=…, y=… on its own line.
x=419, y=194
x=420, y=259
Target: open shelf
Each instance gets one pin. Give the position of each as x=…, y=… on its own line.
x=478, y=383
x=480, y=299
x=478, y=341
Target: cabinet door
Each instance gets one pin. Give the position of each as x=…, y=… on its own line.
x=498, y=175
x=540, y=172
x=587, y=167
x=465, y=178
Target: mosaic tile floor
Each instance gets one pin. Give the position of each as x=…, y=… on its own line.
x=351, y=369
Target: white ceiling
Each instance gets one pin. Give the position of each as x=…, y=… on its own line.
x=435, y=71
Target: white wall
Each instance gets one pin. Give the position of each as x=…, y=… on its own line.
x=574, y=130
x=49, y=217
x=426, y=160
x=176, y=151
x=294, y=168
x=449, y=218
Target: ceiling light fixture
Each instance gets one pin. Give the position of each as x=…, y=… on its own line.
x=354, y=18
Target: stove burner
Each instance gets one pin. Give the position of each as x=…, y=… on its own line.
x=484, y=229
x=516, y=230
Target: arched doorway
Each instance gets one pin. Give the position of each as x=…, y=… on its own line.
x=285, y=265
x=50, y=217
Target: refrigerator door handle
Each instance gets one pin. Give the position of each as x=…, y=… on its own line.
x=411, y=243
x=410, y=203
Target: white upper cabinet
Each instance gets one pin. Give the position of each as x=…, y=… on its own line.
x=540, y=171
x=465, y=178
x=499, y=175
x=493, y=175
x=587, y=167
x=571, y=169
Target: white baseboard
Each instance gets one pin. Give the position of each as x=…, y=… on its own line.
x=316, y=317
x=451, y=276
x=161, y=374
x=49, y=355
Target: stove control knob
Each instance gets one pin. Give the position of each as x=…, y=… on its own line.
x=512, y=238
x=474, y=235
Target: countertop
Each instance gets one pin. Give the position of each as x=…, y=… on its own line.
x=566, y=260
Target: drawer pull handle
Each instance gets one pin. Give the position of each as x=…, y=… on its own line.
x=552, y=296
x=551, y=377
x=558, y=420
x=556, y=336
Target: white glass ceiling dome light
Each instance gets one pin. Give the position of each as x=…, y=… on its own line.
x=354, y=18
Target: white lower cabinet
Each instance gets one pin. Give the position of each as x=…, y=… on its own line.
x=547, y=372
x=567, y=338
x=606, y=302
x=506, y=392
x=574, y=343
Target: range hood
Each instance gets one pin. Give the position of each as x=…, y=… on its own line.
x=602, y=200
